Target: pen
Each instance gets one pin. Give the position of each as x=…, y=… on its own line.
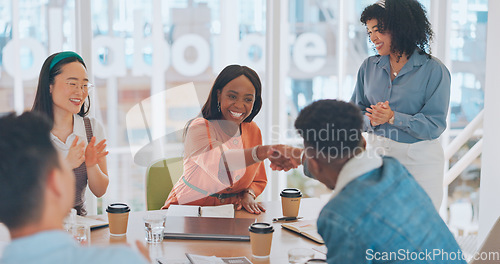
x=287, y=218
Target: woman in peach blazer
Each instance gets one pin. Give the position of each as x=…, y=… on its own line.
x=223, y=148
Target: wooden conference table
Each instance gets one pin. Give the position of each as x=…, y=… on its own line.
x=283, y=240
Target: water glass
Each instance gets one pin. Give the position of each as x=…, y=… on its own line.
x=154, y=224
x=81, y=232
x=300, y=255
x=69, y=220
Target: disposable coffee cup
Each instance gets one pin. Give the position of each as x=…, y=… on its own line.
x=261, y=237
x=290, y=202
x=118, y=218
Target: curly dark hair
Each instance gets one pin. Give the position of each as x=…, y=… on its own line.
x=407, y=22
x=331, y=125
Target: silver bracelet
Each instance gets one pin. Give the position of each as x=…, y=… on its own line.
x=254, y=154
x=251, y=193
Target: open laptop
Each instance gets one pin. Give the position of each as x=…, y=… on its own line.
x=207, y=228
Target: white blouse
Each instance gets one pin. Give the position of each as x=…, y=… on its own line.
x=79, y=130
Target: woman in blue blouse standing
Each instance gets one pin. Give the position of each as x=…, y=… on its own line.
x=404, y=91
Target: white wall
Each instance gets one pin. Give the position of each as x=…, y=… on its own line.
x=489, y=193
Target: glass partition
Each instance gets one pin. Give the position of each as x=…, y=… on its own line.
x=326, y=44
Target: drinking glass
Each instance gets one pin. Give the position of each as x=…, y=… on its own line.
x=81, y=232
x=300, y=255
x=154, y=224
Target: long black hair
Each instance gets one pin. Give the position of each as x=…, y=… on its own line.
x=43, y=99
x=407, y=22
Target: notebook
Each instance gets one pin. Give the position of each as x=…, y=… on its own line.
x=92, y=221
x=321, y=249
x=306, y=228
x=226, y=210
x=207, y=228
x=198, y=259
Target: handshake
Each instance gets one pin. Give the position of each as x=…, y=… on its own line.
x=283, y=157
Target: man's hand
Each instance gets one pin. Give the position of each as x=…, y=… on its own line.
x=285, y=157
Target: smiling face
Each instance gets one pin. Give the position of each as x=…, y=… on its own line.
x=236, y=99
x=66, y=96
x=382, y=41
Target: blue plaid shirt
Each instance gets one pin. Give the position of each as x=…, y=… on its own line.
x=384, y=216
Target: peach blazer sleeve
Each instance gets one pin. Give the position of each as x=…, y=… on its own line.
x=252, y=137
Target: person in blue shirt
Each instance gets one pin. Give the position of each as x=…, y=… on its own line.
x=404, y=92
x=378, y=213
x=36, y=192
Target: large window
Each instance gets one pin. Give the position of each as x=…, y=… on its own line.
x=326, y=44
x=468, y=58
x=34, y=40
x=198, y=39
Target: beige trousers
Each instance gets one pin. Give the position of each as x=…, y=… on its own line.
x=424, y=160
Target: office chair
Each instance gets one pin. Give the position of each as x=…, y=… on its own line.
x=160, y=179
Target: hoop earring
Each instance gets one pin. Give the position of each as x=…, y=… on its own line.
x=218, y=106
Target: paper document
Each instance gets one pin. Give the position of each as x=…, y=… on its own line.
x=172, y=261
x=226, y=210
